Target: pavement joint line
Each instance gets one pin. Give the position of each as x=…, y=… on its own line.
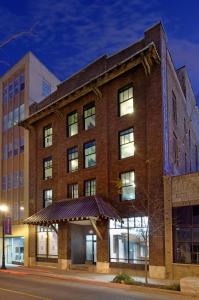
x=24, y=293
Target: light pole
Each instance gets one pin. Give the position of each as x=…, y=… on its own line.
x=3, y=210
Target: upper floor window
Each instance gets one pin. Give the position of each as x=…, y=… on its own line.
x=73, y=190
x=48, y=134
x=126, y=101
x=127, y=185
x=90, y=187
x=126, y=143
x=47, y=197
x=72, y=124
x=90, y=154
x=21, y=144
x=21, y=112
x=73, y=159
x=22, y=81
x=174, y=103
x=89, y=116
x=47, y=168
x=16, y=147
x=46, y=88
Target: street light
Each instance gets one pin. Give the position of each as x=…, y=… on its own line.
x=3, y=210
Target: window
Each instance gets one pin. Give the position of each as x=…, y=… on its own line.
x=10, y=119
x=21, y=112
x=47, y=197
x=46, y=88
x=127, y=244
x=128, y=185
x=47, y=135
x=47, y=166
x=73, y=159
x=174, y=108
x=186, y=234
x=47, y=242
x=126, y=143
x=16, y=116
x=90, y=154
x=5, y=94
x=126, y=101
x=89, y=116
x=73, y=190
x=10, y=90
x=72, y=124
x=90, y=187
x=16, y=86
x=21, y=144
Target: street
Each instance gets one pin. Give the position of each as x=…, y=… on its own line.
x=27, y=287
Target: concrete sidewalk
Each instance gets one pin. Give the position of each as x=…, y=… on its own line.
x=75, y=275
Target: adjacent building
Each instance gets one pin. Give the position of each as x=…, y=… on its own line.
x=26, y=82
x=101, y=147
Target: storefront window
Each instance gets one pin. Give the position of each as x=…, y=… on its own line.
x=47, y=242
x=186, y=234
x=127, y=240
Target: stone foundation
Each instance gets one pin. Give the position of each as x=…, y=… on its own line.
x=64, y=264
x=102, y=267
x=157, y=272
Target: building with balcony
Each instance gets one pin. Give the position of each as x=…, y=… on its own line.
x=101, y=146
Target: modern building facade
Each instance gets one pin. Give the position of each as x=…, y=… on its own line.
x=26, y=82
x=105, y=139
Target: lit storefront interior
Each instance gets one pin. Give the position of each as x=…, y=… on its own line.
x=14, y=250
x=127, y=240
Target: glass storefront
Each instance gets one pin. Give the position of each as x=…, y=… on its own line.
x=186, y=234
x=47, y=242
x=14, y=250
x=91, y=248
x=127, y=240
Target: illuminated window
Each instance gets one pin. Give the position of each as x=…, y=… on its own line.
x=48, y=134
x=128, y=185
x=47, y=197
x=126, y=143
x=72, y=124
x=126, y=101
x=73, y=159
x=47, y=168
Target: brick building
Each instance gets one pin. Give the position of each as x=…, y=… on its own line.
x=26, y=82
x=107, y=137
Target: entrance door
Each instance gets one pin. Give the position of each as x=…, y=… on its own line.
x=91, y=248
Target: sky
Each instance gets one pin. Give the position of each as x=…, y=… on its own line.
x=69, y=34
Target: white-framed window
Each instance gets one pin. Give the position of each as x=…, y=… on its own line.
x=73, y=190
x=127, y=147
x=47, y=168
x=73, y=159
x=90, y=154
x=48, y=135
x=126, y=101
x=89, y=116
x=90, y=187
x=47, y=197
x=127, y=185
x=72, y=123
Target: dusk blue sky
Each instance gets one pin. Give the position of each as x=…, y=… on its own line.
x=69, y=34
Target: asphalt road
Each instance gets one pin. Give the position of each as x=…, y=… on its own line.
x=29, y=287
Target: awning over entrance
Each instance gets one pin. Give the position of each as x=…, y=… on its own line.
x=83, y=208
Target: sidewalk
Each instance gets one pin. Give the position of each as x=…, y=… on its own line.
x=75, y=274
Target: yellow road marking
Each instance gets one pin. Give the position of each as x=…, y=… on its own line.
x=24, y=293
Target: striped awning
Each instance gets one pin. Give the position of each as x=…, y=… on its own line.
x=83, y=208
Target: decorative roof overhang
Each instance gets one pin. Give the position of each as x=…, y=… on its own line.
x=83, y=208
x=147, y=57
